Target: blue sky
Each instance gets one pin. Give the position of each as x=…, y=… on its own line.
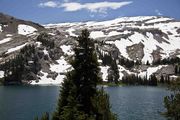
x=55, y=11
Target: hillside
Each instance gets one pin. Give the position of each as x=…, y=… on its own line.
x=143, y=39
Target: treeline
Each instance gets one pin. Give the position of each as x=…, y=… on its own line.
x=18, y=68
x=113, y=72
x=152, y=81
x=167, y=61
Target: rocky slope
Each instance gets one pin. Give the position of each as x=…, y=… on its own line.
x=145, y=39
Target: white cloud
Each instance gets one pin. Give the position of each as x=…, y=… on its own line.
x=72, y=6
x=158, y=12
x=51, y=4
x=98, y=7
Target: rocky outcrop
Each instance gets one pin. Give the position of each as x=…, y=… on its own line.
x=135, y=51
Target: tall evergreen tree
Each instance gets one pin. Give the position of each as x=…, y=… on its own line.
x=172, y=102
x=113, y=76
x=79, y=94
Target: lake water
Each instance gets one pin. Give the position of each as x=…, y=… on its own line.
x=128, y=102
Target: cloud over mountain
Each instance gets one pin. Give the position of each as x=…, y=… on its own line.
x=96, y=7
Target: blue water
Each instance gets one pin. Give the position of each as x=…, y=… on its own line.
x=128, y=102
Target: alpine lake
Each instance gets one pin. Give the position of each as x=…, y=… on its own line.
x=128, y=102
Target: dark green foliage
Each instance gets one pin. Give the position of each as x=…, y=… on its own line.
x=86, y=71
x=162, y=79
x=45, y=39
x=17, y=68
x=167, y=61
x=138, y=62
x=79, y=97
x=102, y=106
x=127, y=63
x=136, y=80
x=107, y=59
x=172, y=102
x=113, y=75
x=36, y=118
x=153, y=80
x=177, y=69
x=45, y=116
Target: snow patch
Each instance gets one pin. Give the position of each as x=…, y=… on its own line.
x=5, y=40
x=121, y=70
x=67, y=49
x=96, y=34
x=38, y=44
x=70, y=31
x=150, y=71
x=25, y=29
x=45, y=52
x=159, y=20
x=9, y=35
x=0, y=28
x=61, y=67
x=44, y=80
x=51, y=34
x=104, y=71
x=113, y=33
x=1, y=74
x=15, y=48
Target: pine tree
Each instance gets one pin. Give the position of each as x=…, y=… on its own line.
x=147, y=63
x=79, y=91
x=172, y=102
x=115, y=69
x=162, y=79
x=176, y=69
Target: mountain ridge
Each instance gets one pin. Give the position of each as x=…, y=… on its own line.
x=144, y=38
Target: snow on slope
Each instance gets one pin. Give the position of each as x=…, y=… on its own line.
x=136, y=31
x=9, y=35
x=70, y=31
x=44, y=80
x=1, y=74
x=150, y=71
x=45, y=52
x=129, y=26
x=159, y=20
x=5, y=40
x=61, y=67
x=104, y=71
x=96, y=34
x=67, y=49
x=15, y=48
x=25, y=29
x=0, y=28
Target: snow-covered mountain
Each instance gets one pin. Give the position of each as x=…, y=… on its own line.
x=150, y=37
x=143, y=38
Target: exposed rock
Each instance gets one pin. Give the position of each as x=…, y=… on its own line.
x=136, y=51
x=52, y=75
x=167, y=70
